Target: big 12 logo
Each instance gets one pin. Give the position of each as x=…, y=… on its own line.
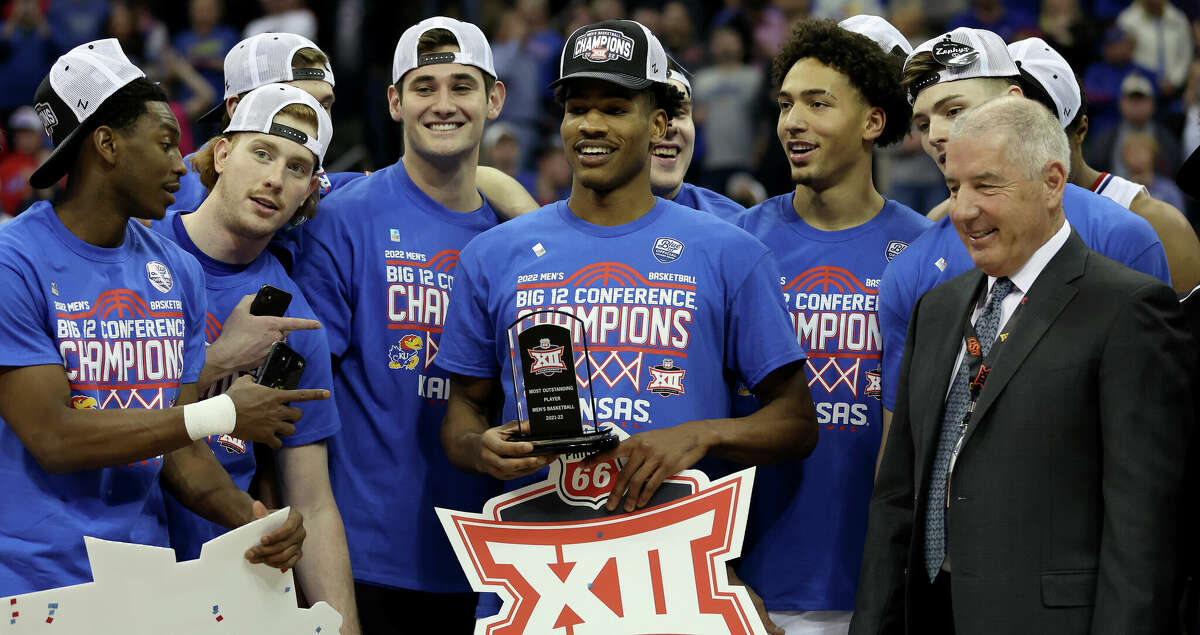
x=578, y=569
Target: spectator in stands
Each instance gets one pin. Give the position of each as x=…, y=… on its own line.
x=523, y=101
x=1010, y=23
x=1065, y=27
x=143, y=37
x=502, y=149
x=27, y=49
x=1164, y=41
x=542, y=43
x=1102, y=81
x=1103, y=151
x=284, y=16
x=678, y=35
x=1139, y=152
x=26, y=136
x=553, y=173
x=74, y=22
x=206, y=42
x=726, y=93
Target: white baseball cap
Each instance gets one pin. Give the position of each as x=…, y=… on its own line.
x=257, y=109
x=966, y=54
x=78, y=83
x=264, y=59
x=473, y=47
x=1043, y=66
x=881, y=31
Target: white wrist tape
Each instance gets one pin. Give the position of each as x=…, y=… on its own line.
x=210, y=416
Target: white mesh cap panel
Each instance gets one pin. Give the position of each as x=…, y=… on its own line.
x=473, y=46
x=879, y=30
x=1052, y=72
x=263, y=59
x=256, y=112
x=967, y=53
x=90, y=73
x=656, y=57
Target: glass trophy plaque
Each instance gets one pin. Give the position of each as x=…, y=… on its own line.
x=545, y=389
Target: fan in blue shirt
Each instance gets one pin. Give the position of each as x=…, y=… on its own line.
x=101, y=338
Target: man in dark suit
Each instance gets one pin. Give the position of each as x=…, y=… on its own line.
x=1034, y=472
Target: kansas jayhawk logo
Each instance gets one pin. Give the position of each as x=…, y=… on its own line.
x=83, y=402
x=547, y=359
x=403, y=354
x=666, y=379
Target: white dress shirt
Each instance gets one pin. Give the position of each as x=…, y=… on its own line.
x=1022, y=280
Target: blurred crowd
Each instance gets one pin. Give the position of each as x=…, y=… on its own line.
x=1136, y=62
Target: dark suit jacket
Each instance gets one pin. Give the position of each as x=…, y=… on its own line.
x=1066, y=494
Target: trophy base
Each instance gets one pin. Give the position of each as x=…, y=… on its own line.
x=585, y=444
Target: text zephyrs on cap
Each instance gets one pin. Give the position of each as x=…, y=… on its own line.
x=619, y=51
x=78, y=83
x=966, y=54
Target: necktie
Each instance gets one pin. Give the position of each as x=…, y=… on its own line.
x=952, y=427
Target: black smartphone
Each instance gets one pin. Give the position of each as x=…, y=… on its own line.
x=282, y=368
x=270, y=301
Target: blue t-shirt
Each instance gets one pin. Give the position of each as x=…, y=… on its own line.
x=939, y=255
x=809, y=518
x=670, y=302
x=706, y=200
x=379, y=262
x=126, y=324
x=225, y=285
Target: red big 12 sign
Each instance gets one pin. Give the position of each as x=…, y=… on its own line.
x=562, y=564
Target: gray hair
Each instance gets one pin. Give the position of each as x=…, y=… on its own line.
x=1034, y=137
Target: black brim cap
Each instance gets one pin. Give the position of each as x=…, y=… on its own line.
x=622, y=52
x=87, y=75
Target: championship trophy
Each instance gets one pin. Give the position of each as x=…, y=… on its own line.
x=545, y=391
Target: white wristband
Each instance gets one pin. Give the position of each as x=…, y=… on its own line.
x=211, y=416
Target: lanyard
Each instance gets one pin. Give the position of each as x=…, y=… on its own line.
x=978, y=369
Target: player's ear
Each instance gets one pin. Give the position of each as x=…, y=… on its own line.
x=395, y=107
x=876, y=122
x=496, y=99
x=104, y=140
x=221, y=151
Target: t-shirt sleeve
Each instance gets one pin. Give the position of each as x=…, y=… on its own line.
x=195, y=312
x=468, y=342
x=759, y=335
x=23, y=319
x=320, y=420
x=894, y=312
x=1152, y=260
x=324, y=275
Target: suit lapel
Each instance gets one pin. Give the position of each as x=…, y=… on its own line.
x=1047, y=298
x=932, y=375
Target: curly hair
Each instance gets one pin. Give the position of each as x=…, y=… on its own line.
x=663, y=96
x=872, y=71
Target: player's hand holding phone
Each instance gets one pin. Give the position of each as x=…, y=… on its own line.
x=263, y=414
x=252, y=327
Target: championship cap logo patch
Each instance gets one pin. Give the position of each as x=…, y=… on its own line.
x=159, y=275
x=894, y=248
x=954, y=55
x=603, y=45
x=667, y=250
x=46, y=114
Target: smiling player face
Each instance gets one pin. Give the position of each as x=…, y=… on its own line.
x=823, y=123
x=444, y=107
x=670, y=159
x=608, y=132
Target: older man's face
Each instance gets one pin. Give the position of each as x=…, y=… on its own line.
x=1001, y=215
